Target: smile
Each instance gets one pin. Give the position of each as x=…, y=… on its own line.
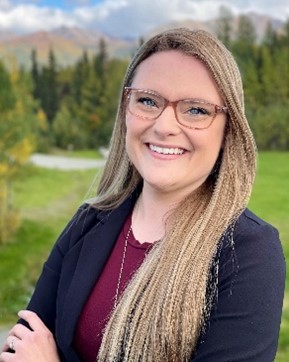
x=166, y=150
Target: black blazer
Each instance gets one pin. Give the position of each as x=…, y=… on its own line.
x=244, y=323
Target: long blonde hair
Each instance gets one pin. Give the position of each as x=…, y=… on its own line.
x=165, y=306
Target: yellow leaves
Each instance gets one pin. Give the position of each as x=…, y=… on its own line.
x=94, y=120
x=14, y=157
x=21, y=152
x=3, y=171
x=42, y=120
x=9, y=218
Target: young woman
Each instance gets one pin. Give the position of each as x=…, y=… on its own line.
x=166, y=263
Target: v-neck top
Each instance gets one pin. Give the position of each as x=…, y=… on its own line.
x=99, y=305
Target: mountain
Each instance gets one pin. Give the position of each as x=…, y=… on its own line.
x=69, y=43
x=260, y=23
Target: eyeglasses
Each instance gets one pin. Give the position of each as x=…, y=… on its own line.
x=190, y=113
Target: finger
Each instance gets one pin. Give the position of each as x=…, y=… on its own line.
x=7, y=357
x=20, y=331
x=10, y=344
x=32, y=319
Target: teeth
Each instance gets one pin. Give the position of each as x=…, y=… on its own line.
x=166, y=150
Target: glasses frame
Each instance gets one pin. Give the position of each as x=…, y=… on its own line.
x=174, y=104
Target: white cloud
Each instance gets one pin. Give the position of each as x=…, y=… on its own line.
x=5, y=5
x=126, y=17
x=29, y=18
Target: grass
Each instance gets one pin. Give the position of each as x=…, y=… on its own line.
x=48, y=198
x=270, y=200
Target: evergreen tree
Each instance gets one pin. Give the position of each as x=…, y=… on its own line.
x=270, y=39
x=244, y=46
x=225, y=25
x=46, y=86
x=35, y=75
x=99, y=64
x=51, y=101
x=79, y=78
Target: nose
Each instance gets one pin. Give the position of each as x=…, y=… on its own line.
x=167, y=124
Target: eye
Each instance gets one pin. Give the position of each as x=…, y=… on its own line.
x=198, y=111
x=147, y=102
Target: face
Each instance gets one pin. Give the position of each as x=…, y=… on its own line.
x=171, y=158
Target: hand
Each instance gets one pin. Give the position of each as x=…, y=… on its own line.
x=30, y=346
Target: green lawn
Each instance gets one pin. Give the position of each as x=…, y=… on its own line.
x=270, y=200
x=48, y=198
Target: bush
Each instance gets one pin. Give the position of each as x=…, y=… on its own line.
x=270, y=126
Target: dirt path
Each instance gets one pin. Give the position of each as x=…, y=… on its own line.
x=65, y=163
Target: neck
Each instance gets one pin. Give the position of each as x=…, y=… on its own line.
x=150, y=215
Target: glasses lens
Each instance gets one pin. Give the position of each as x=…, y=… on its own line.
x=145, y=104
x=197, y=114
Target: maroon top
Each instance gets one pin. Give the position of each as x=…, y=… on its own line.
x=96, y=311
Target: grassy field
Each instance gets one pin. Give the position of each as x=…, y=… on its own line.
x=270, y=200
x=47, y=199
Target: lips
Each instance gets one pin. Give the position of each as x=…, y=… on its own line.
x=166, y=150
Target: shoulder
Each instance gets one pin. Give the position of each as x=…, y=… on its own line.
x=88, y=217
x=253, y=252
x=250, y=275
x=85, y=219
x=254, y=235
x=248, y=222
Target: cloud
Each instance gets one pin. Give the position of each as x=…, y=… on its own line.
x=125, y=17
x=29, y=18
x=5, y=5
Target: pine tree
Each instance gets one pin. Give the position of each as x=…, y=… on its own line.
x=225, y=25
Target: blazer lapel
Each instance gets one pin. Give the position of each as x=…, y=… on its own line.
x=94, y=251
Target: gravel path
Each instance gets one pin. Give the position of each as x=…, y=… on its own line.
x=65, y=163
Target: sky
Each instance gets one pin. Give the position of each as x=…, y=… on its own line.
x=125, y=18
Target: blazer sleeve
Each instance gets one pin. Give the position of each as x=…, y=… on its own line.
x=245, y=321
x=43, y=300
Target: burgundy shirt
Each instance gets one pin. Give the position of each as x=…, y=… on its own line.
x=98, y=307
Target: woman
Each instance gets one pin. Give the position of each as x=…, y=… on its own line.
x=166, y=264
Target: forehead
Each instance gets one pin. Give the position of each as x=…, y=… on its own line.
x=176, y=75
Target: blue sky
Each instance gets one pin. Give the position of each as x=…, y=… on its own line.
x=66, y=4
x=122, y=17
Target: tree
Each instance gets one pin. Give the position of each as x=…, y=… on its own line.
x=99, y=64
x=246, y=33
x=35, y=75
x=244, y=46
x=270, y=39
x=80, y=77
x=225, y=25
x=46, y=85
x=68, y=129
x=16, y=140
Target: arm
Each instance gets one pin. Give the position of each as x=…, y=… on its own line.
x=244, y=324
x=37, y=325
x=43, y=300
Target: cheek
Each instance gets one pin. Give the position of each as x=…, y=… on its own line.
x=133, y=135
x=136, y=128
x=209, y=142
x=131, y=125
